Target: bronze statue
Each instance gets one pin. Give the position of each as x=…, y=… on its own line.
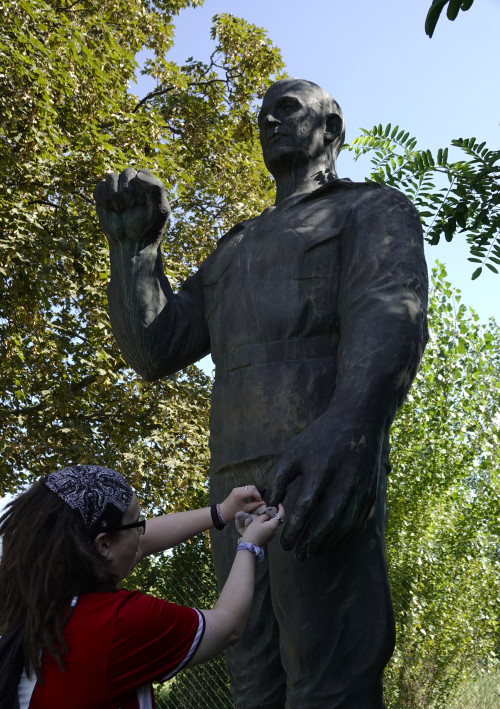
x=315, y=315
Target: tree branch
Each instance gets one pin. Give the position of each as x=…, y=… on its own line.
x=162, y=92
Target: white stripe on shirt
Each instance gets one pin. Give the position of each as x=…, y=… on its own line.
x=192, y=649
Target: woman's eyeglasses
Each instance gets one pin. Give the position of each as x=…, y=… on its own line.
x=140, y=526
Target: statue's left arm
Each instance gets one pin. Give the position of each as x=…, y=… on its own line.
x=382, y=304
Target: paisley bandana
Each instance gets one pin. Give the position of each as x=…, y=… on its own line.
x=99, y=495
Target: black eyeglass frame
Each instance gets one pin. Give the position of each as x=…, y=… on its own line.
x=140, y=526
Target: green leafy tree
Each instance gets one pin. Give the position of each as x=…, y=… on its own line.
x=454, y=7
x=443, y=502
x=452, y=197
x=69, y=115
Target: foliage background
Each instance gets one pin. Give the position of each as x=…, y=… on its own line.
x=453, y=198
x=69, y=117
x=66, y=396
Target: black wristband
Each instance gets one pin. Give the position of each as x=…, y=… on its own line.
x=215, y=518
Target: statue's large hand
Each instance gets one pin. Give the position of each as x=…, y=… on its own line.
x=329, y=474
x=132, y=206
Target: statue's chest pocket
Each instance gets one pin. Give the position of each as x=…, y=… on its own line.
x=321, y=254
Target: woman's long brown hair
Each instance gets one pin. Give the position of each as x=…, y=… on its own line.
x=46, y=559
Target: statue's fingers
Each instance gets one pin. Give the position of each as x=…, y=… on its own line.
x=100, y=192
x=340, y=535
x=125, y=177
x=322, y=529
x=152, y=190
x=149, y=183
x=341, y=513
x=125, y=187
x=115, y=199
x=106, y=189
x=301, y=499
x=282, y=475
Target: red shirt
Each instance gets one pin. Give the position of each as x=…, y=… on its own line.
x=118, y=642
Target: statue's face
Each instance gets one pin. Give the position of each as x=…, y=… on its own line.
x=292, y=125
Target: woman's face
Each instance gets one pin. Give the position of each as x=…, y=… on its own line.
x=124, y=546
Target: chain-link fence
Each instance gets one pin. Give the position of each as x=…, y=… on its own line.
x=187, y=578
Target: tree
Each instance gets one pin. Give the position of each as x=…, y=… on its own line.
x=69, y=115
x=461, y=197
x=454, y=7
x=443, y=502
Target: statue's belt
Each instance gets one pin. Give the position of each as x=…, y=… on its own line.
x=282, y=351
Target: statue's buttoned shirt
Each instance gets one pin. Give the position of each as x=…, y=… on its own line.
x=319, y=304
x=278, y=296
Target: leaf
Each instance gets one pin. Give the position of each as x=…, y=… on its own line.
x=471, y=203
x=433, y=16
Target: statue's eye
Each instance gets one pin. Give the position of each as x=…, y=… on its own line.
x=283, y=108
x=288, y=106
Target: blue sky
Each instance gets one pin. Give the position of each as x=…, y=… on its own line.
x=377, y=61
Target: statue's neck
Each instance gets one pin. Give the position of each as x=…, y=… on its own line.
x=301, y=181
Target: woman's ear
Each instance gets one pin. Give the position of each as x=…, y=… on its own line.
x=103, y=546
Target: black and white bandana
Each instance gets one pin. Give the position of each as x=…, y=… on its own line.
x=99, y=495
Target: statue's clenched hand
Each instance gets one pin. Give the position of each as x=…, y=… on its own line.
x=132, y=206
x=329, y=475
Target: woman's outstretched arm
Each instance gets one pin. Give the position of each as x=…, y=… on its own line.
x=167, y=531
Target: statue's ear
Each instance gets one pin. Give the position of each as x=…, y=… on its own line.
x=333, y=127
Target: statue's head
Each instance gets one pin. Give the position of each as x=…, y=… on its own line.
x=299, y=122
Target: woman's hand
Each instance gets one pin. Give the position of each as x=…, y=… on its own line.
x=244, y=499
x=263, y=528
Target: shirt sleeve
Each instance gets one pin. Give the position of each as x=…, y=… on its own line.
x=153, y=640
x=382, y=305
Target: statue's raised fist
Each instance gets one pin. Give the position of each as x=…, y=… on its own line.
x=132, y=206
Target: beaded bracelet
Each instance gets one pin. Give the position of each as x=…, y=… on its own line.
x=258, y=552
x=217, y=518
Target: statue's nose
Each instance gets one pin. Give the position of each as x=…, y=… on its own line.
x=271, y=120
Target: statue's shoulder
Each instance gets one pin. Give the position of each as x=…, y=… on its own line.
x=366, y=195
x=216, y=262
x=235, y=233
x=360, y=190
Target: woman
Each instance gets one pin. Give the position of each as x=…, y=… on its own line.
x=71, y=638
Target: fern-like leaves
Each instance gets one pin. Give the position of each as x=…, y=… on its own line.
x=459, y=197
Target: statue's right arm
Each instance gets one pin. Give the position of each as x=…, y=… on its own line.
x=158, y=332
